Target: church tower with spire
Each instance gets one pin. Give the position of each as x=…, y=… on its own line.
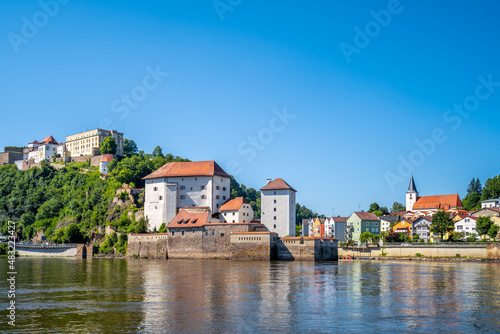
x=411, y=194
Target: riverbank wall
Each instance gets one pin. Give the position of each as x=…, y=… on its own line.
x=58, y=250
x=489, y=250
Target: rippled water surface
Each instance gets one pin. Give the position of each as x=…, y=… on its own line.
x=174, y=296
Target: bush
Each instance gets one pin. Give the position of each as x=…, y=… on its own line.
x=418, y=255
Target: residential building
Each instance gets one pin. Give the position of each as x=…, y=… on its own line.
x=422, y=227
x=337, y=228
x=360, y=222
x=103, y=165
x=305, y=227
x=493, y=213
x=431, y=204
x=236, y=210
x=278, y=207
x=405, y=226
x=491, y=203
x=184, y=184
x=387, y=221
x=89, y=142
x=318, y=228
x=45, y=150
x=467, y=226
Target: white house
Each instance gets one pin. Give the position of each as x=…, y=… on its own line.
x=278, y=207
x=103, y=165
x=184, y=184
x=491, y=203
x=45, y=150
x=236, y=210
x=422, y=227
x=467, y=226
x=385, y=222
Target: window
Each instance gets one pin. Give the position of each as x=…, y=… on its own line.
x=233, y=213
x=182, y=233
x=203, y=197
x=223, y=197
x=274, y=217
x=367, y=224
x=233, y=220
x=217, y=187
x=202, y=187
x=217, y=197
x=275, y=209
x=183, y=197
x=155, y=189
x=274, y=225
x=274, y=201
x=173, y=233
x=222, y=234
x=160, y=198
x=183, y=187
x=223, y=188
x=225, y=213
x=275, y=192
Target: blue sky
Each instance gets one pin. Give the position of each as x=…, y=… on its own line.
x=350, y=124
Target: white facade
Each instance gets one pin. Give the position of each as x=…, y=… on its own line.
x=89, y=142
x=46, y=152
x=103, y=167
x=329, y=227
x=243, y=215
x=278, y=211
x=411, y=198
x=467, y=226
x=491, y=203
x=163, y=196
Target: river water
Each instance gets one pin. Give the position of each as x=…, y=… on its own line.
x=190, y=296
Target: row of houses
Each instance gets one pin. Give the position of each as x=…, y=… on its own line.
x=417, y=219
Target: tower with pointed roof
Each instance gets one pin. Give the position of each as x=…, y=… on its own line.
x=411, y=194
x=278, y=207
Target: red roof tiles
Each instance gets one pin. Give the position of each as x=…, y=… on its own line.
x=107, y=157
x=438, y=202
x=193, y=168
x=233, y=204
x=49, y=140
x=189, y=219
x=366, y=216
x=277, y=184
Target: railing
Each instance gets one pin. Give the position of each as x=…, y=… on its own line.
x=434, y=244
x=41, y=246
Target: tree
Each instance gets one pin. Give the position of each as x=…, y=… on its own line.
x=457, y=236
x=442, y=224
x=365, y=237
x=393, y=237
x=471, y=201
x=374, y=207
x=130, y=147
x=398, y=207
x=491, y=188
x=384, y=210
x=72, y=234
x=142, y=225
x=157, y=152
x=416, y=237
x=108, y=146
x=483, y=225
x=493, y=231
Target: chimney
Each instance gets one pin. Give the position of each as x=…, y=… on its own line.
x=268, y=181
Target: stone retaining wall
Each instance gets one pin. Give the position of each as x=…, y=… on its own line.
x=410, y=251
x=151, y=246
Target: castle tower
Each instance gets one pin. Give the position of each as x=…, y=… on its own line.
x=278, y=207
x=411, y=194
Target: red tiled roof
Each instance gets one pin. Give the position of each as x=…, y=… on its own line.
x=34, y=142
x=49, y=140
x=366, y=215
x=437, y=202
x=193, y=168
x=189, y=219
x=107, y=157
x=277, y=184
x=340, y=219
x=233, y=204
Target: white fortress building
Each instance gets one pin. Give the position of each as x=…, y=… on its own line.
x=278, y=207
x=181, y=185
x=236, y=210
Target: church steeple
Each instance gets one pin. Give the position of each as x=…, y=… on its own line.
x=411, y=194
x=412, y=188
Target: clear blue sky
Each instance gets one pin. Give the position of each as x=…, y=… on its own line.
x=353, y=120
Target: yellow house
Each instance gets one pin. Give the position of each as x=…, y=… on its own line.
x=317, y=228
x=404, y=226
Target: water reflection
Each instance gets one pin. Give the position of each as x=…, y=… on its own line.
x=179, y=296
